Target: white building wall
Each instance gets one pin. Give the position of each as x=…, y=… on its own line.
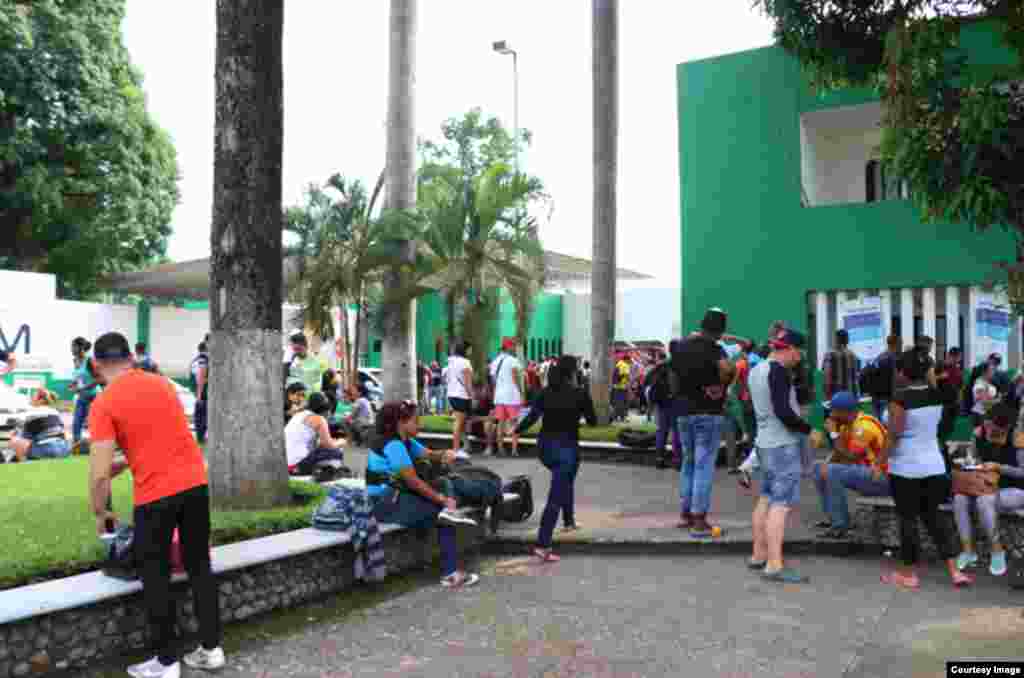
x=836, y=146
x=640, y=314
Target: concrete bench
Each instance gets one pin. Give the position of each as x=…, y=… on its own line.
x=75, y=621
x=875, y=522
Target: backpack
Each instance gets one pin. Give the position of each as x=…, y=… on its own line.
x=872, y=380
x=660, y=384
x=636, y=439
x=475, y=485
x=521, y=510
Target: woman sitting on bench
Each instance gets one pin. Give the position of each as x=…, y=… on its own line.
x=41, y=437
x=994, y=444
x=308, y=438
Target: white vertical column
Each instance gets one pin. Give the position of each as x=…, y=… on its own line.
x=822, y=337
x=952, y=316
x=907, y=317
x=972, y=325
x=886, y=297
x=928, y=312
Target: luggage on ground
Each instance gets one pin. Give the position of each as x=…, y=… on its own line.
x=518, y=511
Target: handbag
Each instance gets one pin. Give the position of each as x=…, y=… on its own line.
x=975, y=483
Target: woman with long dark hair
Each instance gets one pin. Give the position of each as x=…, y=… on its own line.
x=561, y=405
x=917, y=469
x=401, y=497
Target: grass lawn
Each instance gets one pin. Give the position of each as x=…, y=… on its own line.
x=595, y=434
x=48, y=530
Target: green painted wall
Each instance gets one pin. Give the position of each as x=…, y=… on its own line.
x=748, y=245
x=432, y=320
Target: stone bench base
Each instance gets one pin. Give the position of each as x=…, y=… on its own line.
x=875, y=522
x=76, y=637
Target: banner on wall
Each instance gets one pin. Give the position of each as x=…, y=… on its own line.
x=991, y=327
x=862, y=318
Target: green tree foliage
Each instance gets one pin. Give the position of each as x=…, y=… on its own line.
x=88, y=181
x=953, y=128
x=480, y=238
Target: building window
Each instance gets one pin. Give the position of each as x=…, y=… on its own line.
x=879, y=186
x=377, y=345
x=559, y=347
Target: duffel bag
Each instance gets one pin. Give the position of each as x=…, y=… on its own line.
x=635, y=438
x=518, y=511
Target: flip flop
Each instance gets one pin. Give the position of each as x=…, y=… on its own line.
x=898, y=580
x=545, y=556
x=961, y=580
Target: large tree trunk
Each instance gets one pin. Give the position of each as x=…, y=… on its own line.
x=605, y=27
x=399, y=340
x=246, y=448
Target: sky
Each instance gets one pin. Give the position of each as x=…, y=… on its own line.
x=335, y=99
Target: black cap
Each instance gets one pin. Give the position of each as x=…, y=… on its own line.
x=112, y=346
x=298, y=338
x=714, y=321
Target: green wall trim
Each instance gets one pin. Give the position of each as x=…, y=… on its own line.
x=142, y=322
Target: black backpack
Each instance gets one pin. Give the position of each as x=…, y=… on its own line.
x=518, y=511
x=660, y=384
x=872, y=380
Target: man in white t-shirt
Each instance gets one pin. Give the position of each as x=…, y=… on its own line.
x=506, y=373
x=460, y=391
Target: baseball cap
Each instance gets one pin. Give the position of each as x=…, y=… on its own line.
x=788, y=338
x=844, y=400
x=714, y=321
x=995, y=358
x=508, y=344
x=112, y=346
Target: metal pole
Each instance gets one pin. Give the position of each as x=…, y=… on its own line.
x=515, y=103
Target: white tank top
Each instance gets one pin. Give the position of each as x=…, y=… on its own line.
x=299, y=437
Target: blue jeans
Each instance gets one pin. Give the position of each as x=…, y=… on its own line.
x=55, y=448
x=879, y=406
x=701, y=435
x=782, y=470
x=81, y=417
x=841, y=477
x=560, y=454
x=666, y=422
x=412, y=510
x=437, y=399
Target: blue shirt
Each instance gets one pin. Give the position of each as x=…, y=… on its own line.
x=393, y=458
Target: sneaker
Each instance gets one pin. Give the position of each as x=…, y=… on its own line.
x=998, y=565
x=757, y=565
x=459, y=580
x=454, y=518
x=966, y=559
x=489, y=452
x=207, y=660
x=154, y=669
x=786, y=575
x=462, y=455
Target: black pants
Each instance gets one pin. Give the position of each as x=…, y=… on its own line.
x=199, y=419
x=307, y=465
x=919, y=498
x=188, y=511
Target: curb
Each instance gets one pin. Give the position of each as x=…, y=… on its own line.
x=706, y=547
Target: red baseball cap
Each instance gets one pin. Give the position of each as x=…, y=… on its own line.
x=508, y=344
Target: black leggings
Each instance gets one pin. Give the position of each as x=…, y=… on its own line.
x=920, y=498
x=189, y=511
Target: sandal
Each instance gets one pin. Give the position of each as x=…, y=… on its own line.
x=911, y=583
x=545, y=555
x=962, y=579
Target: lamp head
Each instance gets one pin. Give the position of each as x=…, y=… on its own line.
x=502, y=47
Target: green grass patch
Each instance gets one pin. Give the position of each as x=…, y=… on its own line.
x=48, y=530
x=594, y=434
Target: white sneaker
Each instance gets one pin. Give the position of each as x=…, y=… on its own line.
x=458, y=580
x=207, y=660
x=454, y=518
x=462, y=454
x=489, y=452
x=154, y=669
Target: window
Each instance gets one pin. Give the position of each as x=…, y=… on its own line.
x=559, y=347
x=878, y=185
x=377, y=346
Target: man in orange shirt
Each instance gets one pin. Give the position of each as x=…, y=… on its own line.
x=140, y=413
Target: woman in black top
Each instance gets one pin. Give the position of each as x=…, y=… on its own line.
x=561, y=405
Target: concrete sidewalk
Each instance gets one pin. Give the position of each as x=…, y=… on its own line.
x=638, y=617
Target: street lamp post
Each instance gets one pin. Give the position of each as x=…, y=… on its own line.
x=504, y=48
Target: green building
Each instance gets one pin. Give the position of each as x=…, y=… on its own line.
x=786, y=215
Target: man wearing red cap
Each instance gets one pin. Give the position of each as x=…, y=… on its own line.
x=506, y=375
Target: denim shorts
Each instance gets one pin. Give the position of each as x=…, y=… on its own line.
x=55, y=448
x=782, y=468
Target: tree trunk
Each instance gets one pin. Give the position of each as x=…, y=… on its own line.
x=605, y=48
x=399, y=340
x=354, y=348
x=246, y=440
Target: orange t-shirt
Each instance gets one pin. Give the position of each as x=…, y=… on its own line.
x=142, y=414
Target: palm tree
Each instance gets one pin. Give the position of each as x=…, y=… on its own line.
x=605, y=48
x=246, y=448
x=479, y=243
x=399, y=340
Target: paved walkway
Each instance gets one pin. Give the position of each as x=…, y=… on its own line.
x=638, y=617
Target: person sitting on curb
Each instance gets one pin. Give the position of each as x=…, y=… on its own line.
x=858, y=441
x=41, y=436
x=308, y=438
x=294, y=400
x=401, y=497
x=994, y=444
